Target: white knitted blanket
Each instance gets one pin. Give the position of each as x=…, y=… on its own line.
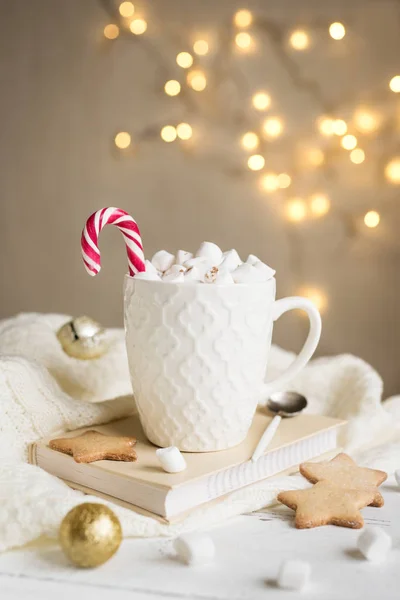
x=44, y=392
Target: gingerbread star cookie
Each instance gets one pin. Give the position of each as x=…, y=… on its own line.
x=324, y=504
x=92, y=445
x=343, y=472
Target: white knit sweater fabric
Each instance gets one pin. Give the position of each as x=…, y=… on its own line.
x=44, y=392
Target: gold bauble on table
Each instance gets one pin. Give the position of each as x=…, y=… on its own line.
x=90, y=534
x=83, y=338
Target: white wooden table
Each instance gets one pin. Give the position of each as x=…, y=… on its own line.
x=249, y=551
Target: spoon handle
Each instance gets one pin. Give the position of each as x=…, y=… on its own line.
x=266, y=438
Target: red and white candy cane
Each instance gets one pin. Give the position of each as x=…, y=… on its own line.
x=129, y=229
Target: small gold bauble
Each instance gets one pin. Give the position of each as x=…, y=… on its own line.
x=83, y=338
x=90, y=534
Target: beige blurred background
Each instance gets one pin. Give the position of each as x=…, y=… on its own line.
x=66, y=92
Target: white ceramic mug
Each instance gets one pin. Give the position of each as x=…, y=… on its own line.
x=198, y=355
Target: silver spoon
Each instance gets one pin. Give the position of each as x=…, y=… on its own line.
x=283, y=404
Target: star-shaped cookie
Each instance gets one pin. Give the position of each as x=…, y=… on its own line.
x=343, y=472
x=324, y=504
x=92, y=445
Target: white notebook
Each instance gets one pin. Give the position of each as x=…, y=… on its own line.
x=208, y=475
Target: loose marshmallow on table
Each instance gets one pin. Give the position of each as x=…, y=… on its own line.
x=163, y=260
x=195, y=548
x=374, y=543
x=293, y=574
x=171, y=459
x=210, y=251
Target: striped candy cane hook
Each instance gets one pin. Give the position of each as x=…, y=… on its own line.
x=129, y=229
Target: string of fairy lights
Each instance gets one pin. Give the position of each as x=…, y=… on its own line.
x=352, y=136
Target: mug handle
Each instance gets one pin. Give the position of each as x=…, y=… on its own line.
x=310, y=345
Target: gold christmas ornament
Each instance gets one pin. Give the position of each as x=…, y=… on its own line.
x=83, y=338
x=90, y=534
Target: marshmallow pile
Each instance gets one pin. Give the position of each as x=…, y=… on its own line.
x=208, y=265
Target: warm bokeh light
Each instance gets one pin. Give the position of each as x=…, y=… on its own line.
x=138, y=26
x=325, y=125
x=319, y=205
x=243, y=18
x=184, y=60
x=392, y=171
x=296, y=210
x=315, y=157
x=299, y=39
x=261, y=100
x=366, y=120
x=316, y=296
x=337, y=31
x=339, y=127
x=357, y=156
x=243, y=40
x=348, y=142
x=172, y=87
x=273, y=127
x=395, y=84
x=184, y=131
x=168, y=133
x=126, y=9
x=200, y=47
x=269, y=182
x=111, y=31
x=256, y=162
x=284, y=180
x=372, y=219
x=122, y=140
x=250, y=140
x=197, y=80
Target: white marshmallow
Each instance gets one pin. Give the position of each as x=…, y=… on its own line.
x=293, y=574
x=192, y=274
x=252, y=259
x=150, y=268
x=195, y=262
x=374, y=543
x=247, y=274
x=210, y=251
x=149, y=276
x=211, y=275
x=174, y=278
x=265, y=270
x=174, y=270
x=231, y=260
x=195, y=548
x=171, y=459
x=202, y=267
x=163, y=260
x=223, y=278
x=182, y=256
x=397, y=476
